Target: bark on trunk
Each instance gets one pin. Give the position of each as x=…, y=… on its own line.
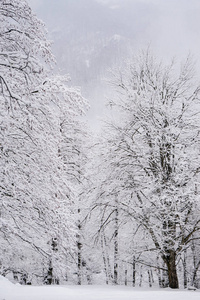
x=170, y=260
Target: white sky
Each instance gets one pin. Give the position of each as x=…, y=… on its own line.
x=171, y=27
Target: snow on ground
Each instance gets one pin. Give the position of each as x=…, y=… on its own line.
x=9, y=291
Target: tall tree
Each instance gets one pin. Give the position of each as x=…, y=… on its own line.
x=35, y=191
x=73, y=151
x=155, y=153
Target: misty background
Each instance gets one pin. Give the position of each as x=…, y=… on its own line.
x=91, y=36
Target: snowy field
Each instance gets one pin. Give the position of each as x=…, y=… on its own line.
x=9, y=291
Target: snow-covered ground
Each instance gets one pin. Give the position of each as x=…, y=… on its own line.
x=9, y=291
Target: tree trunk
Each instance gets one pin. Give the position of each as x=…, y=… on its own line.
x=141, y=276
x=104, y=261
x=109, y=270
x=160, y=279
x=150, y=279
x=194, y=275
x=133, y=282
x=184, y=270
x=79, y=254
x=49, y=277
x=116, y=248
x=165, y=278
x=196, y=265
x=170, y=260
x=126, y=279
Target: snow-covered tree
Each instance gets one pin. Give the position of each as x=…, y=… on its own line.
x=73, y=151
x=109, y=225
x=36, y=193
x=154, y=154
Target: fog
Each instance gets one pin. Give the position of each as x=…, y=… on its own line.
x=91, y=36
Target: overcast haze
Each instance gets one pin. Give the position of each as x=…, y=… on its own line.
x=90, y=36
